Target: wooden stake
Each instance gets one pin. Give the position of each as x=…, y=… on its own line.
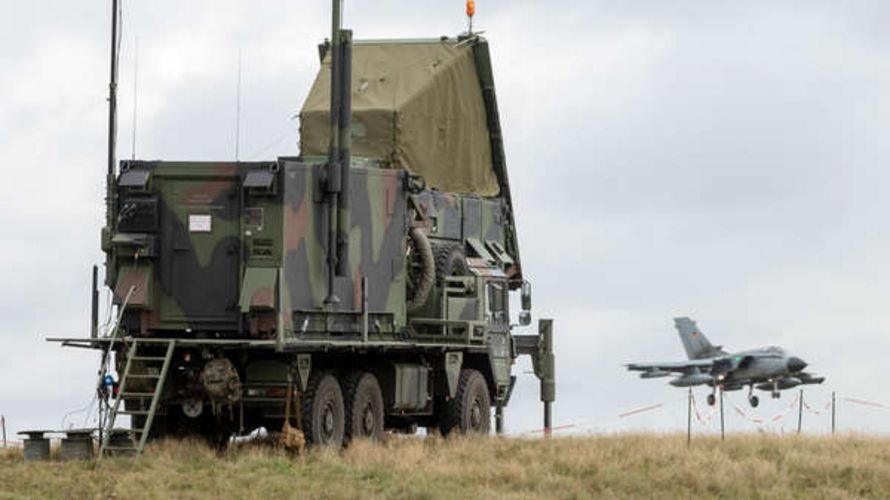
x=689, y=418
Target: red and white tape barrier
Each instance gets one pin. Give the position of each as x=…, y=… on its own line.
x=778, y=417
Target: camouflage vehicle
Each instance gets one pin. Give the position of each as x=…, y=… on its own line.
x=362, y=286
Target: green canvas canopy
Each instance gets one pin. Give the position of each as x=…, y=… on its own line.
x=416, y=105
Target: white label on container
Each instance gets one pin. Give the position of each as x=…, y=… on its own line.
x=200, y=224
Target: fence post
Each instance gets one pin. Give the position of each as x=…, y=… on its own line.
x=3, y=425
x=800, y=412
x=833, y=412
x=689, y=418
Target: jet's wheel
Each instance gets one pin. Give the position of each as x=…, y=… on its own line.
x=753, y=401
x=712, y=400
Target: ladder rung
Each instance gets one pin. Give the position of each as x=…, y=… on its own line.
x=142, y=433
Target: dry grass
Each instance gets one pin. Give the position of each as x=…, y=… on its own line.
x=745, y=466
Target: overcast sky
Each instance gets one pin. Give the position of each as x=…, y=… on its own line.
x=723, y=160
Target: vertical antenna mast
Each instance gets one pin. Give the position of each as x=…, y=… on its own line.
x=339, y=156
x=135, y=95
x=238, y=113
x=333, y=170
x=112, y=115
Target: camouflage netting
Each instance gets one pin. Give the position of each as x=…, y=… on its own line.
x=416, y=105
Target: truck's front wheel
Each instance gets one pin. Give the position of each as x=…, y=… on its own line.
x=469, y=412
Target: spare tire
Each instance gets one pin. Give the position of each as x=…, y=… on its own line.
x=426, y=280
x=450, y=260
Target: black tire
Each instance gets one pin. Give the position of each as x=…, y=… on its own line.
x=450, y=260
x=364, y=407
x=322, y=411
x=469, y=412
x=754, y=401
x=712, y=399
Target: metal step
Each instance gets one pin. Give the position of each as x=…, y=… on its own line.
x=140, y=395
x=149, y=358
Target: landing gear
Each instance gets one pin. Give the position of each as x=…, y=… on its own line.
x=322, y=411
x=776, y=393
x=469, y=412
x=752, y=399
x=363, y=407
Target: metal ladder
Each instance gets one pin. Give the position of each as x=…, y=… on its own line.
x=140, y=436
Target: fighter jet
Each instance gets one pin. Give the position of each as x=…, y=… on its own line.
x=768, y=369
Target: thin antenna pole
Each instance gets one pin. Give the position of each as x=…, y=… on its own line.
x=94, y=302
x=238, y=113
x=135, y=96
x=112, y=115
x=334, y=178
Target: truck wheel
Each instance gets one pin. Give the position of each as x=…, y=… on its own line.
x=322, y=411
x=470, y=410
x=364, y=407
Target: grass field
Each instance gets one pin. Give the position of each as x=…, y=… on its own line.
x=621, y=466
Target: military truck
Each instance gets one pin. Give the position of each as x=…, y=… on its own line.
x=360, y=287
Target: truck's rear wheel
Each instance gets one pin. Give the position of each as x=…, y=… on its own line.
x=364, y=407
x=322, y=411
x=469, y=412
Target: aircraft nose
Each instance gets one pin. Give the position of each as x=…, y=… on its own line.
x=796, y=364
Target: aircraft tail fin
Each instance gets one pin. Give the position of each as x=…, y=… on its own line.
x=694, y=341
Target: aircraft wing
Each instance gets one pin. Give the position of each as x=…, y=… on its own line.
x=673, y=366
